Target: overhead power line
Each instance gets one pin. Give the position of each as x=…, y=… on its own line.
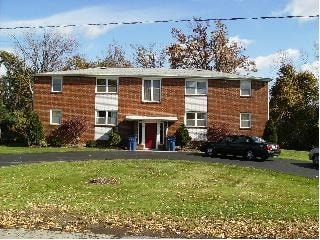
x=157, y=21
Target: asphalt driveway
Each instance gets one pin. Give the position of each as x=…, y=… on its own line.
x=295, y=167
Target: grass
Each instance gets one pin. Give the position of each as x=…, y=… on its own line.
x=294, y=155
x=162, y=198
x=174, y=188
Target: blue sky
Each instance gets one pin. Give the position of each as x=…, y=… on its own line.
x=262, y=38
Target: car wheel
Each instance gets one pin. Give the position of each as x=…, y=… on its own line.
x=250, y=155
x=210, y=152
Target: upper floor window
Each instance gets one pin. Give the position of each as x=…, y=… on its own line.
x=56, y=84
x=151, y=90
x=196, y=119
x=55, y=116
x=196, y=87
x=245, y=120
x=106, y=85
x=106, y=118
x=245, y=88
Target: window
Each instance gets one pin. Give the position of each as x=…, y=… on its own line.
x=106, y=85
x=196, y=119
x=106, y=118
x=245, y=88
x=55, y=116
x=245, y=120
x=196, y=87
x=56, y=84
x=151, y=90
x=112, y=118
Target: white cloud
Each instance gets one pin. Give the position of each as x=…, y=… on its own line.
x=241, y=41
x=274, y=59
x=300, y=8
x=312, y=67
x=95, y=14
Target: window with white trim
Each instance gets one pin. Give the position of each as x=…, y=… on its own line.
x=196, y=119
x=245, y=88
x=151, y=90
x=56, y=84
x=55, y=117
x=104, y=85
x=106, y=117
x=196, y=87
x=245, y=120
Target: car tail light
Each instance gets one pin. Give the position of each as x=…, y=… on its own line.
x=268, y=147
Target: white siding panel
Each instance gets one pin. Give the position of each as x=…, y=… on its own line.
x=196, y=103
x=101, y=133
x=198, y=134
x=107, y=102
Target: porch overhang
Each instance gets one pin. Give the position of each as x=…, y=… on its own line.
x=147, y=118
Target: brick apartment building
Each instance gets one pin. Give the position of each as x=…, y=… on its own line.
x=152, y=103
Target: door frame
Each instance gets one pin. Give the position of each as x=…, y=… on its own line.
x=143, y=132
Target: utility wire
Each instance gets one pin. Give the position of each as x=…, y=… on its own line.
x=158, y=21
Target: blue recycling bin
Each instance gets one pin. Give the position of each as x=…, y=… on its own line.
x=171, y=143
x=132, y=143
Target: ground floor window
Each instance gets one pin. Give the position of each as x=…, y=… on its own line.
x=55, y=116
x=196, y=119
x=245, y=120
x=106, y=117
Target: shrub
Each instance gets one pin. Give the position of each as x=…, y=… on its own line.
x=114, y=138
x=217, y=131
x=270, y=132
x=91, y=144
x=34, y=130
x=182, y=136
x=68, y=132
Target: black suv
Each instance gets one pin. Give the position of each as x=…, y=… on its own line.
x=250, y=147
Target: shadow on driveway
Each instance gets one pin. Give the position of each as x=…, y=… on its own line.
x=305, y=165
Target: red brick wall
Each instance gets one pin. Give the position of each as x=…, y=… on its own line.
x=172, y=101
x=76, y=99
x=225, y=105
x=224, y=102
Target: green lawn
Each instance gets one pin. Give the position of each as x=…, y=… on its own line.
x=294, y=155
x=187, y=195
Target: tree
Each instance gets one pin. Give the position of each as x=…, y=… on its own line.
x=270, y=132
x=77, y=62
x=294, y=108
x=148, y=57
x=17, y=85
x=210, y=51
x=115, y=57
x=45, y=52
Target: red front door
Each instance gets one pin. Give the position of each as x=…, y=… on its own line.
x=151, y=135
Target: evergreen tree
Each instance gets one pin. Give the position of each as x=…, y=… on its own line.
x=270, y=132
x=182, y=136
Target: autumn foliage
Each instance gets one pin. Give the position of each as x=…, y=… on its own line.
x=69, y=132
x=217, y=131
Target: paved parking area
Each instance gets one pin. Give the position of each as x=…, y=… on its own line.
x=300, y=168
